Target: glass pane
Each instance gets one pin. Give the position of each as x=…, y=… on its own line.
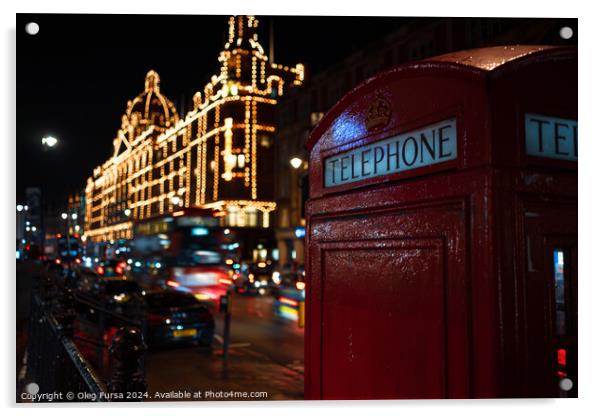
x=559, y=284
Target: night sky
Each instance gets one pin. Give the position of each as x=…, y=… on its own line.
x=75, y=76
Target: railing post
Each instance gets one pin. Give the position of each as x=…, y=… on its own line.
x=127, y=349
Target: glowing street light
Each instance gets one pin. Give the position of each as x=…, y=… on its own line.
x=64, y=215
x=20, y=207
x=127, y=212
x=296, y=162
x=49, y=141
x=74, y=216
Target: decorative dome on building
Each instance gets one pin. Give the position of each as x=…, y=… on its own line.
x=150, y=108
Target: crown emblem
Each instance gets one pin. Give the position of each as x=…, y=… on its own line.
x=379, y=113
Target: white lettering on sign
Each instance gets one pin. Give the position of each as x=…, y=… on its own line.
x=551, y=137
x=423, y=147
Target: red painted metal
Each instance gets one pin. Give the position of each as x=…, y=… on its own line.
x=437, y=282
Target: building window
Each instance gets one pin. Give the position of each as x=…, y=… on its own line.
x=265, y=141
x=251, y=217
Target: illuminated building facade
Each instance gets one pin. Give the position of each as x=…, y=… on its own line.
x=221, y=155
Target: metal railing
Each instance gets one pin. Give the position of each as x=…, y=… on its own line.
x=106, y=319
x=56, y=362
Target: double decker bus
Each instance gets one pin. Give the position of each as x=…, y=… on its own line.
x=186, y=250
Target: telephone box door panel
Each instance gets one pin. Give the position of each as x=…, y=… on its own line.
x=392, y=305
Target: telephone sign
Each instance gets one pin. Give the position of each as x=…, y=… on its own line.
x=551, y=137
x=427, y=146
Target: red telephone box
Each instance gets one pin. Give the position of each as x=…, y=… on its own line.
x=442, y=231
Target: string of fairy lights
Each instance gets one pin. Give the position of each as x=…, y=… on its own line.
x=162, y=163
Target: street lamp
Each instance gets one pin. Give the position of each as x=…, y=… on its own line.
x=297, y=174
x=127, y=212
x=74, y=216
x=296, y=162
x=65, y=217
x=20, y=207
x=49, y=142
x=176, y=200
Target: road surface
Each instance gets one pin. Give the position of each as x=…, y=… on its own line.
x=266, y=354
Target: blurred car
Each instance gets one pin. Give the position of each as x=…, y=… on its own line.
x=287, y=280
x=91, y=273
x=110, y=268
x=254, y=278
x=289, y=291
x=177, y=317
x=117, y=295
x=110, y=290
x=287, y=304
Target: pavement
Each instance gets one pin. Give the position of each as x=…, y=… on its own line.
x=204, y=372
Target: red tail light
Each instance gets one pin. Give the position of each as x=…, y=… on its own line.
x=78, y=261
x=561, y=357
x=57, y=261
x=119, y=269
x=288, y=301
x=100, y=270
x=172, y=283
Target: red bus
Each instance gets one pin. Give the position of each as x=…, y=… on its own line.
x=185, y=250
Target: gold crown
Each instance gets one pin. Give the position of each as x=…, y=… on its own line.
x=379, y=113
